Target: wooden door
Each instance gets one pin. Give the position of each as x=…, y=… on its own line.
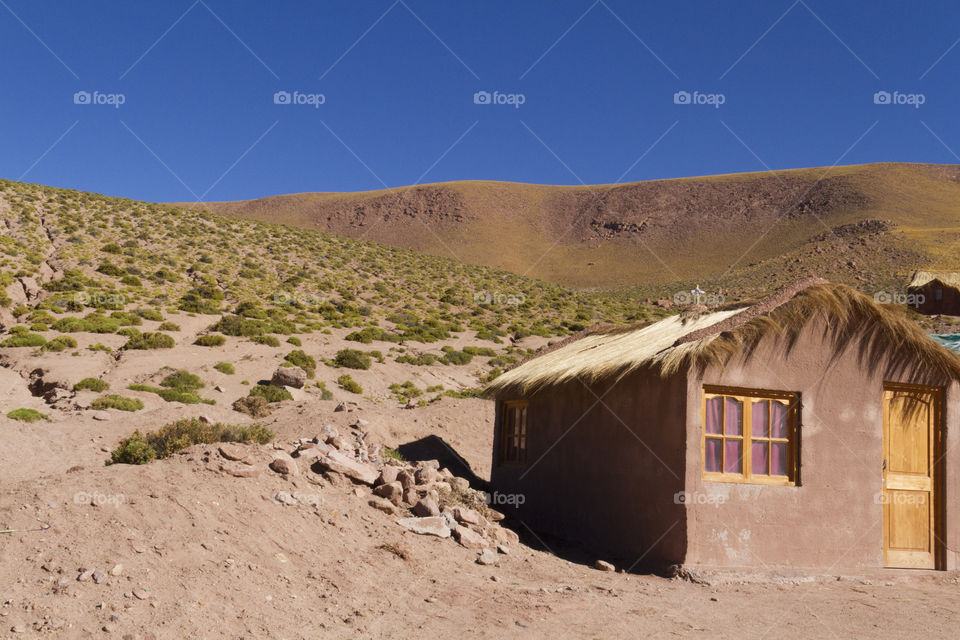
x=911, y=418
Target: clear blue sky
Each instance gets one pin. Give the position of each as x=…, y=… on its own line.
x=198, y=79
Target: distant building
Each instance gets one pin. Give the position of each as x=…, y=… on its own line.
x=940, y=291
x=808, y=430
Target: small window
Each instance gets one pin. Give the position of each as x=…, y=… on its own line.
x=750, y=436
x=938, y=294
x=513, y=434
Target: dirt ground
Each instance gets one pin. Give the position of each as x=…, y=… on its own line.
x=183, y=550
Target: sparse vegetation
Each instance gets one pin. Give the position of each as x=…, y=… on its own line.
x=225, y=367
x=114, y=401
x=210, y=340
x=142, y=448
x=349, y=384
x=27, y=415
x=91, y=384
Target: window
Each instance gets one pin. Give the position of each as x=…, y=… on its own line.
x=513, y=434
x=750, y=435
x=938, y=294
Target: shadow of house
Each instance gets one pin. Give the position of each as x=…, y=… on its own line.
x=433, y=447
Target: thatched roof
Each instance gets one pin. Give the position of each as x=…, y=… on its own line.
x=882, y=334
x=949, y=278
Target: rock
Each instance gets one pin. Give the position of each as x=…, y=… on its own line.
x=310, y=454
x=233, y=451
x=102, y=416
x=206, y=419
x=494, y=515
x=410, y=496
x=328, y=433
x=392, y=491
x=338, y=462
x=239, y=470
x=382, y=504
x=434, y=526
x=117, y=570
x=141, y=594
x=388, y=474
x=488, y=557
x=360, y=423
x=284, y=464
x=425, y=508
x=426, y=475
x=85, y=575
x=98, y=577
x=502, y=535
x=340, y=407
x=442, y=486
x=341, y=443
x=406, y=478
x=469, y=538
x=603, y=565
x=285, y=498
x=218, y=388
x=467, y=516
x=429, y=464
x=460, y=484
x=289, y=377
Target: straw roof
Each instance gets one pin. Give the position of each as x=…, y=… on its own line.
x=884, y=336
x=921, y=278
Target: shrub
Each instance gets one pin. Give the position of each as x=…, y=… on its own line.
x=210, y=340
x=325, y=394
x=140, y=449
x=24, y=340
x=91, y=384
x=352, y=359
x=183, y=380
x=168, y=326
x=225, y=367
x=150, y=341
x=129, y=332
x=300, y=359
x=131, y=281
x=349, y=384
x=254, y=406
x=271, y=393
x=27, y=415
x=114, y=401
x=181, y=395
x=406, y=391
x=295, y=341
x=150, y=314
x=270, y=341
x=392, y=454
x=100, y=347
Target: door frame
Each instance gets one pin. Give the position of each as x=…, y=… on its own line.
x=939, y=477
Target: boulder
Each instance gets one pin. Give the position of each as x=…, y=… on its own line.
x=382, y=504
x=460, y=484
x=289, y=377
x=410, y=496
x=388, y=474
x=239, y=470
x=488, y=557
x=469, y=538
x=425, y=508
x=340, y=463
x=233, y=451
x=406, y=478
x=433, y=526
x=425, y=475
x=285, y=465
x=285, y=498
x=503, y=536
x=603, y=565
x=392, y=491
x=465, y=515
x=328, y=433
x=495, y=516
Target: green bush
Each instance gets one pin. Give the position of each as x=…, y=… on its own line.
x=352, y=359
x=225, y=367
x=140, y=448
x=210, y=340
x=100, y=347
x=168, y=326
x=295, y=341
x=114, y=401
x=406, y=391
x=183, y=380
x=349, y=384
x=150, y=341
x=27, y=415
x=300, y=359
x=254, y=406
x=325, y=394
x=24, y=340
x=271, y=393
x=150, y=314
x=91, y=384
x=270, y=341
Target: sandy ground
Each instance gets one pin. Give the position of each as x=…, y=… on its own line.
x=203, y=554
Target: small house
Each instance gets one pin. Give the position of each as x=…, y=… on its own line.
x=935, y=292
x=814, y=429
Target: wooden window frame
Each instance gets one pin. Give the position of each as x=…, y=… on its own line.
x=747, y=397
x=508, y=431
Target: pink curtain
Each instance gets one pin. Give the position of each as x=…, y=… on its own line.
x=758, y=418
x=779, y=422
x=779, y=459
x=733, y=417
x=758, y=458
x=733, y=453
x=712, y=455
x=713, y=414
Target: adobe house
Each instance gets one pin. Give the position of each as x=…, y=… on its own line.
x=814, y=430
x=940, y=292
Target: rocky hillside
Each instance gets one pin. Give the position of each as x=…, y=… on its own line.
x=664, y=231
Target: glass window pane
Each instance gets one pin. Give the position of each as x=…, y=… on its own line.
x=712, y=455
x=758, y=418
x=732, y=456
x=779, y=421
x=713, y=414
x=779, y=459
x=733, y=417
x=758, y=458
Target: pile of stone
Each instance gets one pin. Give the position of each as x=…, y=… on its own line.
x=428, y=499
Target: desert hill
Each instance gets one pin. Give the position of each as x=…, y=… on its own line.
x=730, y=229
